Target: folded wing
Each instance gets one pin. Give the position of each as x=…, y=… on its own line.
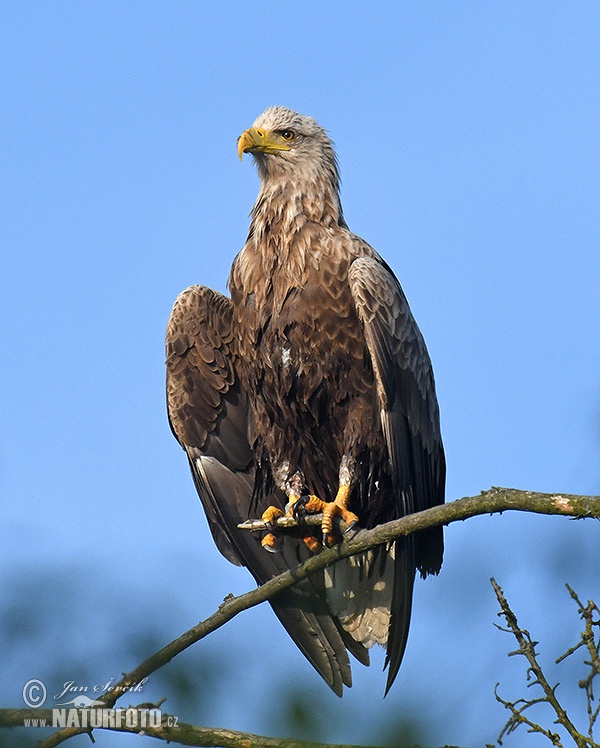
x=410, y=422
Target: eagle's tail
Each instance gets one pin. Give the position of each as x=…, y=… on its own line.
x=371, y=596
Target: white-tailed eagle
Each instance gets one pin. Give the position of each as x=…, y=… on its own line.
x=311, y=384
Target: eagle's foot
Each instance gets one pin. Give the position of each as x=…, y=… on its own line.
x=330, y=509
x=312, y=544
x=270, y=541
x=270, y=514
x=305, y=505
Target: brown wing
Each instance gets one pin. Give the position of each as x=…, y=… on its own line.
x=410, y=423
x=209, y=416
x=207, y=410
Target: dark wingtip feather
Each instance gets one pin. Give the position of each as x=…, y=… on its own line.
x=400, y=621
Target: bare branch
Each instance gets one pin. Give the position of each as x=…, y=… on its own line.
x=536, y=676
x=173, y=731
x=211, y=737
x=518, y=717
x=488, y=502
x=590, y=613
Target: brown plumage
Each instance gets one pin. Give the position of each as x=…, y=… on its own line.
x=313, y=378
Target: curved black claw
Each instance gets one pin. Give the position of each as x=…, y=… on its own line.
x=351, y=526
x=276, y=548
x=299, y=509
x=272, y=543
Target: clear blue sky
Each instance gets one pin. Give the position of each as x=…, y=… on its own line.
x=469, y=140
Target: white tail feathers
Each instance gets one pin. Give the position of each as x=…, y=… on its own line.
x=359, y=592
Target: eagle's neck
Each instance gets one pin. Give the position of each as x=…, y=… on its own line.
x=286, y=204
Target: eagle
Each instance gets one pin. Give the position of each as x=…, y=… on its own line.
x=310, y=389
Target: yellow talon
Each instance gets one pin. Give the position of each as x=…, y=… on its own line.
x=269, y=541
x=312, y=543
x=330, y=509
x=314, y=504
x=271, y=513
x=341, y=501
x=336, y=510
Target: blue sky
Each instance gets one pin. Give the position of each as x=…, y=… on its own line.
x=468, y=137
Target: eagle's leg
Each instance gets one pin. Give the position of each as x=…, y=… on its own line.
x=336, y=508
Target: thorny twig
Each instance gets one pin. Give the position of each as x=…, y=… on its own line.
x=590, y=613
x=535, y=676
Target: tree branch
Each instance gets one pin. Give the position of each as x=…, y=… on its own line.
x=173, y=731
x=536, y=677
x=488, y=502
x=590, y=613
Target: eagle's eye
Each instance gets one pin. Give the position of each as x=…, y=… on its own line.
x=288, y=135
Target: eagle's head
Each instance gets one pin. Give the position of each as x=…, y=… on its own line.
x=285, y=143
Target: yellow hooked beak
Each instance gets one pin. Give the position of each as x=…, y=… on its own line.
x=257, y=140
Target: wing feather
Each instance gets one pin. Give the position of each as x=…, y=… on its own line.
x=410, y=424
x=405, y=383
